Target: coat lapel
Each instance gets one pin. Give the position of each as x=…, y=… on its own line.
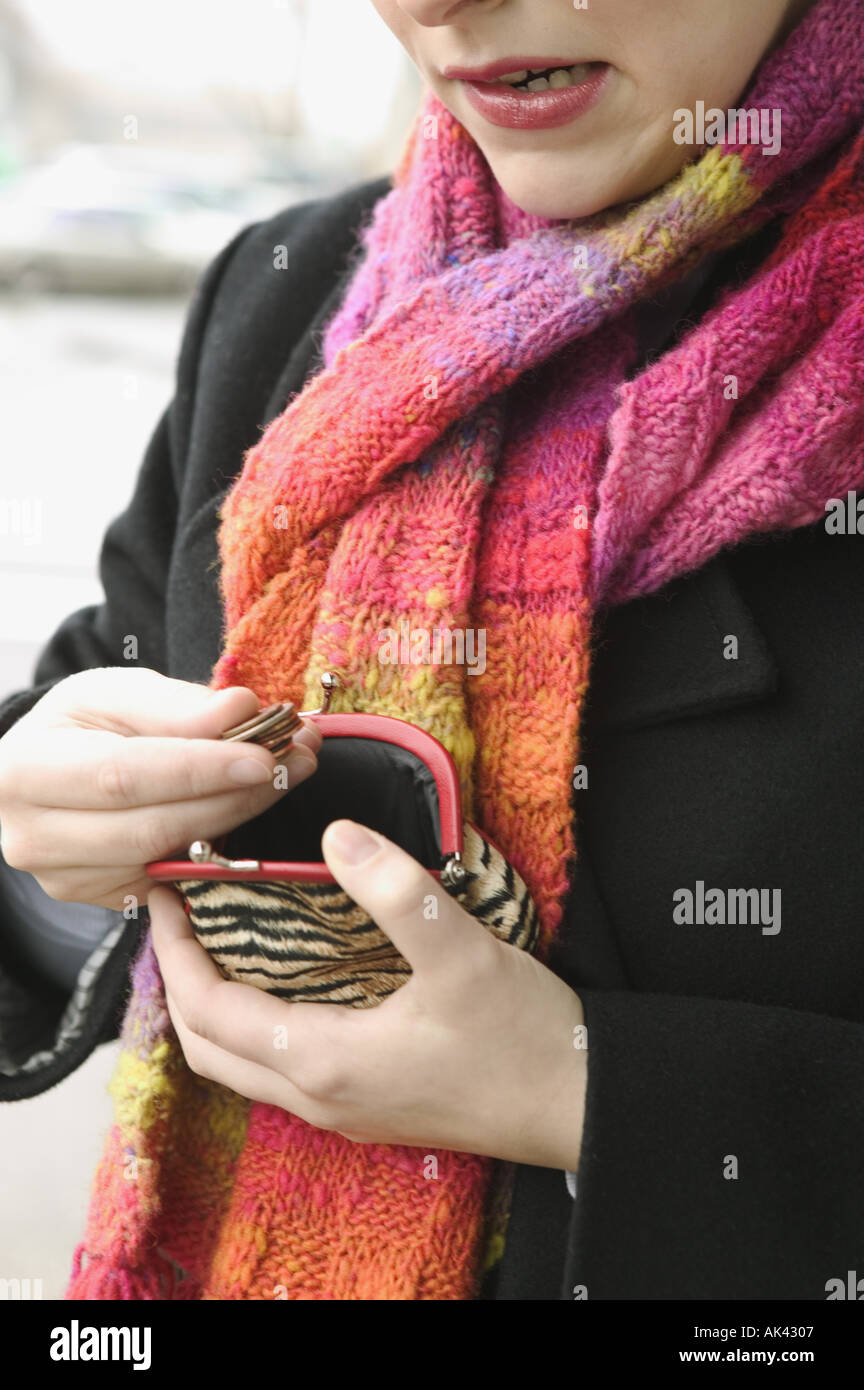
x=306, y=359
x=693, y=648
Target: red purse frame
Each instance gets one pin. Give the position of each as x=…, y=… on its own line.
x=207, y=863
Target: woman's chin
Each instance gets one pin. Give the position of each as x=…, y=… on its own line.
x=568, y=187
x=567, y=197
x=554, y=186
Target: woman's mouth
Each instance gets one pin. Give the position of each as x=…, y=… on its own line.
x=527, y=80
x=533, y=97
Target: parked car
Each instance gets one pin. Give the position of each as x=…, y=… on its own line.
x=83, y=225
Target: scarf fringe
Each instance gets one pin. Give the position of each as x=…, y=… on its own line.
x=116, y=1277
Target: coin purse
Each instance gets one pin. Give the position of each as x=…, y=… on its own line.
x=268, y=910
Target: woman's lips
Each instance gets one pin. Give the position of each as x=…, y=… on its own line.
x=503, y=105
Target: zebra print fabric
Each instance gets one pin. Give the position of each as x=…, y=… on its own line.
x=310, y=941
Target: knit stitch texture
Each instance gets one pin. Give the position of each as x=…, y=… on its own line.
x=472, y=456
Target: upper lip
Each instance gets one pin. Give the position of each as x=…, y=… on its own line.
x=505, y=65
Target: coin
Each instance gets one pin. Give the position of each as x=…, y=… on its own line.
x=273, y=728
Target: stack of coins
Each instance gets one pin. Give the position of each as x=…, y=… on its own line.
x=273, y=727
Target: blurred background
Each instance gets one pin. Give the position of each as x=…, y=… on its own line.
x=135, y=140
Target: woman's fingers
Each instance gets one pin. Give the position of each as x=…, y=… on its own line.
x=433, y=932
x=99, y=771
x=248, y=1079
x=55, y=838
x=137, y=700
x=238, y=1019
x=116, y=767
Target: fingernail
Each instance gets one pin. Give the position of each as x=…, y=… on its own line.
x=352, y=842
x=247, y=771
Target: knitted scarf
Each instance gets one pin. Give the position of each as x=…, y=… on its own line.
x=472, y=455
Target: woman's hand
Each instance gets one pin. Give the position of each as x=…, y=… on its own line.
x=481, y=1051
x=113, y=768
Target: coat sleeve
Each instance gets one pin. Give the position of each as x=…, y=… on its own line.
x=64, y=966
x=722, y=1151
x=721, y=1160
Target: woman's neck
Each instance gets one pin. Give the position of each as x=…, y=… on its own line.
x=514, y=222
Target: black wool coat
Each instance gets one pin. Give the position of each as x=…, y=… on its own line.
x=724, y=1138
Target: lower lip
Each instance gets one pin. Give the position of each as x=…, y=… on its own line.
x=519, y=110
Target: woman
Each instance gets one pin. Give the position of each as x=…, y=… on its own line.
x=585, y=378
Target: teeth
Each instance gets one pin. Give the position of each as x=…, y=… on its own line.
x=560, y=77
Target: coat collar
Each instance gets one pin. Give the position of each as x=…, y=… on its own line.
x=306, y=359
x=669, y=655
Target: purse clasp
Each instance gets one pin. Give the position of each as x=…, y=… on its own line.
x=275, y=726
x=454, y=873
x=202, y=852
x=330, y=682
